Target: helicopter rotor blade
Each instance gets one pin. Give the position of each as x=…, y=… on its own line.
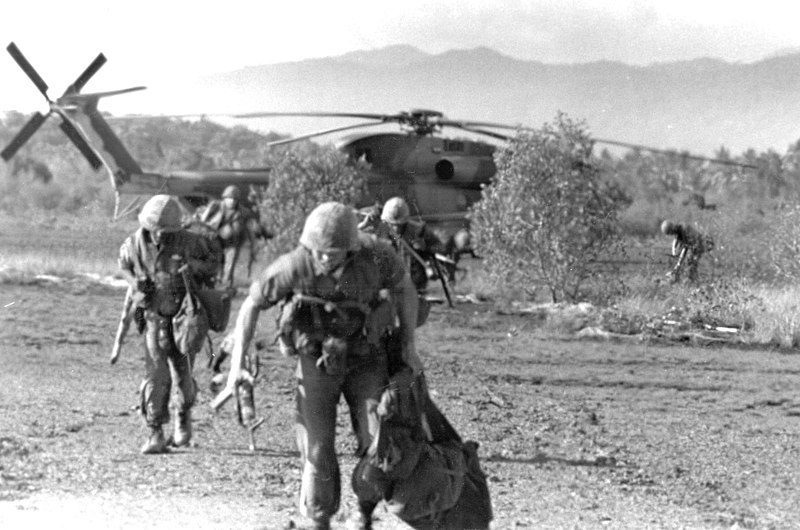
x=321, y=133
x=23, y=63
x=467, y=124
x=491, y=134
x=366, y=116
x=87, y=74
x=463, y=123
x=675, y=153
x=80, y=142
x=74, y=96
x=24, y=135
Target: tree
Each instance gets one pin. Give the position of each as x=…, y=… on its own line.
x=548, y=214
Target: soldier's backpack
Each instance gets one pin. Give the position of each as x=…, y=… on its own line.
x=418, y=464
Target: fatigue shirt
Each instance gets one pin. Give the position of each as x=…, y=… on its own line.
x=142, y=258
x=218, y=217
x=421, y=240
x=688, y=238
x=364, y=273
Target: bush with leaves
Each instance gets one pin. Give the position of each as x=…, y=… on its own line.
x=302, y=177
x=548, y=214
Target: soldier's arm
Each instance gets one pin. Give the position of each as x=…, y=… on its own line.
x=243, y=333
x=125, y=263
x=405, y=299
x=433, y=243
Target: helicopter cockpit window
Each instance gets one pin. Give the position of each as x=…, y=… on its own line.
x=453, y=145
x=444, y=170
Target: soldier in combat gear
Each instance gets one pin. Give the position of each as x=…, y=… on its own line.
x=230, y=218
x=688, y=245
x=152, y=260
x=340, y=291
x=413, y=241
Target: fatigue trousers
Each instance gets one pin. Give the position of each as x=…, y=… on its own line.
x=318, y=395
x=162, y=362
x=230, y=257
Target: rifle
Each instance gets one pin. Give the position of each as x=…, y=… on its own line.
x=445, y=287
x=125, y=320
x=434, y=263
x=245, y=385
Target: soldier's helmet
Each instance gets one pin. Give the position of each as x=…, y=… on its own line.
x=462, y=239
x=232, y=192
x=395, y=211
x=161, y=212
x=330, y=227
x=668, y=228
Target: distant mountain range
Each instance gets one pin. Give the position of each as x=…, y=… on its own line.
x=697, y=105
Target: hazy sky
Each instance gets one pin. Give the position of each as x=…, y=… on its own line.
x=147, y=41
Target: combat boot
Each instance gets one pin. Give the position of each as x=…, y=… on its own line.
x=156, y=444
x=321, y=523
x=183, y=428
x=362, y=521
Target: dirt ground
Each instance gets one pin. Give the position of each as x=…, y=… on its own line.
x=573, y=433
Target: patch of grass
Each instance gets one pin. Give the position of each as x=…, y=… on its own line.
x=63, y=246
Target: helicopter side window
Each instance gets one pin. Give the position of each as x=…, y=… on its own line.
x=444, y=170
x=453, y=145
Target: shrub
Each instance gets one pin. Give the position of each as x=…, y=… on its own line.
x=302, y=177
x=548, y=214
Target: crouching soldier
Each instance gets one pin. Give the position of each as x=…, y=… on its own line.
x=159, y=261
x=339, y=290
x=688, y=245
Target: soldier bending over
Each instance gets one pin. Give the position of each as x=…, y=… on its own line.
x=339, y=291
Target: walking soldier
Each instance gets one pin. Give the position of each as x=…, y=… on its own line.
x=339, y=291
x=161, y=261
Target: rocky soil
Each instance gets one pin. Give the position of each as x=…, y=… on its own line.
x=574, y=433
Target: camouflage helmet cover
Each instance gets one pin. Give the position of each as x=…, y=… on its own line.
x=232, y=192
x=395, y=211
x=668, y=227
x=330, y=227
x=161, y=212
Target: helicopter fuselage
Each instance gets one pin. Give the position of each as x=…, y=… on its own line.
x=439, y=177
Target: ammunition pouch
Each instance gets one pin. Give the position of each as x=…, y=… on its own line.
x=333, y=358
x=190, y=326
x=326, y=330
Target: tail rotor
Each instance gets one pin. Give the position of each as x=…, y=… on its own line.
x=38, y=119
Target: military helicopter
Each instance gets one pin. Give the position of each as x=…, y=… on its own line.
x=440, y=177
x=85, y=126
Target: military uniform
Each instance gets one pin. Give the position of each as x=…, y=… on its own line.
x=159, y=290
x=688, y=245
x=230, y=219
x=413, y=240
x=333, y=320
